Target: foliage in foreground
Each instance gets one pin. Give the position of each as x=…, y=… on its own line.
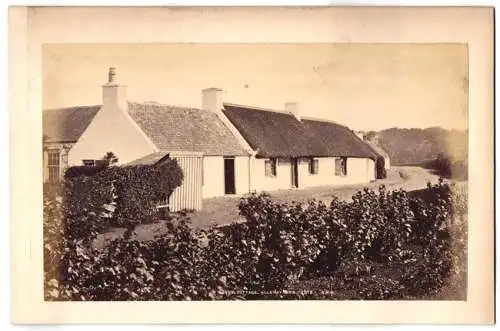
x=97, y=198
x=379, y=246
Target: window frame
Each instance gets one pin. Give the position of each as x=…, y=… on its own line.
x=313, y=165
x=343, y=166
x=271, y=167
x=53, y=168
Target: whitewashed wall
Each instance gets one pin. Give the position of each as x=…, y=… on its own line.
x=359, y=171
x=111, y=130
x=282, y=180
x=213, y=176
x=371, y=170
x=242, y=174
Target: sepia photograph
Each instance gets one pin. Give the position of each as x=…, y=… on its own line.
x=255, y=172
x=229, y=165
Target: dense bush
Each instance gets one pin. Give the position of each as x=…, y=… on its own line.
x=99, y=197
x=384, y=245
x=445, y=166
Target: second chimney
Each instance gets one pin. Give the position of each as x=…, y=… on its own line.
x=293, y=108
x=212, y=99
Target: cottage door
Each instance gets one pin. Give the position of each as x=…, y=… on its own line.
x=229, y=182
x=295, y=173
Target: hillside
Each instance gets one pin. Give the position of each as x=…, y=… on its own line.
x=414, y=146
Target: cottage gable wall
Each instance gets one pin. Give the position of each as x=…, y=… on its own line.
x=112, y=130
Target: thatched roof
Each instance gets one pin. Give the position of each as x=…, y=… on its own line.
x=273, y=134
x=377, y=149
x=279, y=134
x=338, y=139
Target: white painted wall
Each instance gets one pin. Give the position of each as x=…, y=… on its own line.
x=112, y=130
x=359, y=171
x=213, y=175
x=242, y=175
x=282, y=180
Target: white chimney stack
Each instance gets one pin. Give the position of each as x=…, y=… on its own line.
x=293, y=108
x=212, y=99
x=361, y=135
x=113, y=94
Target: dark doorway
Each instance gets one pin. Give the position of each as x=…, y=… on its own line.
x=229, y=183
x=295, y=173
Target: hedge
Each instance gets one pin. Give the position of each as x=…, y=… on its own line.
x=96, y=198
x=444, y=166
x=382, y=245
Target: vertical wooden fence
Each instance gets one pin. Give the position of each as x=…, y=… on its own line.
x=189, y=194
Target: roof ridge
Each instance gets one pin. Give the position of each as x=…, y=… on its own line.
x=258, y=108
x=317, y=119
x=71, y=107
x=165, y=105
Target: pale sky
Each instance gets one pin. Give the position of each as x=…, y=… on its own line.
x=363, y=86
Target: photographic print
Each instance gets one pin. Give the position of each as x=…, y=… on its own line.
x=252, y=165
x=255, y=172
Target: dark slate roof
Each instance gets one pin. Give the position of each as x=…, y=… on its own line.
x=67, y=124
x=279, y=134
x=173, y=128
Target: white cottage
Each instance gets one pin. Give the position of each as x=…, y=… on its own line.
x=242, y=148
x=293, y=151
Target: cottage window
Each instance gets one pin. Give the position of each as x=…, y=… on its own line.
x=341, y=166
x=53, y=164
x=313, y=166
x=270, y=165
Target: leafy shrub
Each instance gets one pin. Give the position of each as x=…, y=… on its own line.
x=139, y=189
x=100, y=197
x=78, y=171
x=384, y=245
x=445, y=166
